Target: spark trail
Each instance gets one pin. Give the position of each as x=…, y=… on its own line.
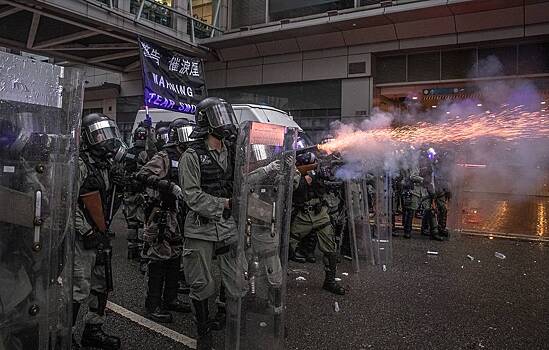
x=509, y=125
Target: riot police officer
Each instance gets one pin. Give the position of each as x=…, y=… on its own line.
x=311, y=215
x=429, y=224
x=134, y=197
x=162, y=134
x=206, y=177
x=411, y=193
x=101, y=143
x=442, y=167
x=163, y=230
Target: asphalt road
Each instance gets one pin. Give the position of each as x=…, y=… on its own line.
x=421, y=302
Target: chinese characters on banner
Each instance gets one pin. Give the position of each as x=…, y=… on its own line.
x=171, y=80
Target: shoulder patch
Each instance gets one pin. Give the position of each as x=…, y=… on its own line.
x=205, y=159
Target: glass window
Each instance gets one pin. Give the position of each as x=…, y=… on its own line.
x=424, y=66
x=247, y=12
x=154, y=10
x=459, y=64
x=281, y=9
x=390, y=69
x=497, y=61
x=533, y=58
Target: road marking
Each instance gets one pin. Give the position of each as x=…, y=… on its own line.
x=153, y=326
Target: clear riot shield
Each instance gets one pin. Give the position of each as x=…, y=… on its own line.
x=383, y=223
x=262, y=209
x=40, y=110
x=358, y=221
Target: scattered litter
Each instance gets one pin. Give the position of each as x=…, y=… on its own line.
x=430, y=252
x=300, y=271
x=338, y=279
x=345, y=273
x=499, y=255
x=480, y=345
x=426, y=262
x=470, y=257
x=263, y=324
x=384, y=268
x=524, y=274
x=461, y=266
x=478, y=260
x=300, y=278
x=336, y=307
x=492, y=328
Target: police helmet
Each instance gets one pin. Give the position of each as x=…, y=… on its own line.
x=100, y=136
x=180, y=131
x=215, y=116
x=139, y=136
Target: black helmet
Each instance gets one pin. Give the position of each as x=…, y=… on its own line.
x=162, y=136
x=215, y=116
x=305, y=159
x=139, y=136
x=180, y=131
x=100, y=136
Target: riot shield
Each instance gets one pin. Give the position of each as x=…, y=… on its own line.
x=383, y=223
x=358, y=221
x=263, y=209
x=40, y=110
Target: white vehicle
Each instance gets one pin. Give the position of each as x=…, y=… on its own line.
x=243, y=112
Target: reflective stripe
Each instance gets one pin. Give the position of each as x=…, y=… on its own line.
x=175, y=164
x=101, y=125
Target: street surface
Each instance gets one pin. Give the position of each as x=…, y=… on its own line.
x=447, y=301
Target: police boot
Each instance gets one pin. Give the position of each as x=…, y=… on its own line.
x=394, y=232
x=442, y=230
x=220, y=318
x=153, y=301
x=183, y=287
x=171, y=301
x=75, y=310
x=295, y=256
x=94, y=337
x=407, y=220
x=204, y=340
x=330, y=283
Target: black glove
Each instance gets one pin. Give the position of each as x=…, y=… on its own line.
x=118, y=177
x=92, y=239
x=164, y=186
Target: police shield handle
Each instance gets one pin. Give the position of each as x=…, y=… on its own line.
x=94, y=207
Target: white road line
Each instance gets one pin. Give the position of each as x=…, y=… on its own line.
x=153, y=326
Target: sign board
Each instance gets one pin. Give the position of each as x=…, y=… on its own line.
x=171, y=80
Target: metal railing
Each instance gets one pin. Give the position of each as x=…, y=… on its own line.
x=159, y=16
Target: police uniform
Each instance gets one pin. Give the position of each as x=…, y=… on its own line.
x=134, y=199
x=163, y=232
x=207, y=177
x=411, y=197
x=311, y=215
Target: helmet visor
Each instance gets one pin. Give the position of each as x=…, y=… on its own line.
x=102, y=131
x=220, y=115
x=184, y=133
x=164, y=137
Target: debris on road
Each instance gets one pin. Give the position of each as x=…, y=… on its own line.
x=338, y=279
x=300, y=271
x=336, y=307
x=300, y=278
x=345, y=273
x=470, y=257
x=430, y=252
x=263, y=324
x=499, y=255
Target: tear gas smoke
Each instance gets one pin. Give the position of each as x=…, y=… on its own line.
x=508, y=131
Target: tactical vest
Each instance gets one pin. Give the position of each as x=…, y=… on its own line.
x=305, y=193
x=213, y=179
x=173, y=155
x=131, y=163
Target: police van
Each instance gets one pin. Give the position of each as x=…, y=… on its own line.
x=243, y=112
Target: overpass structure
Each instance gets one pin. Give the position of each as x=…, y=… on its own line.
x=100, y=33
